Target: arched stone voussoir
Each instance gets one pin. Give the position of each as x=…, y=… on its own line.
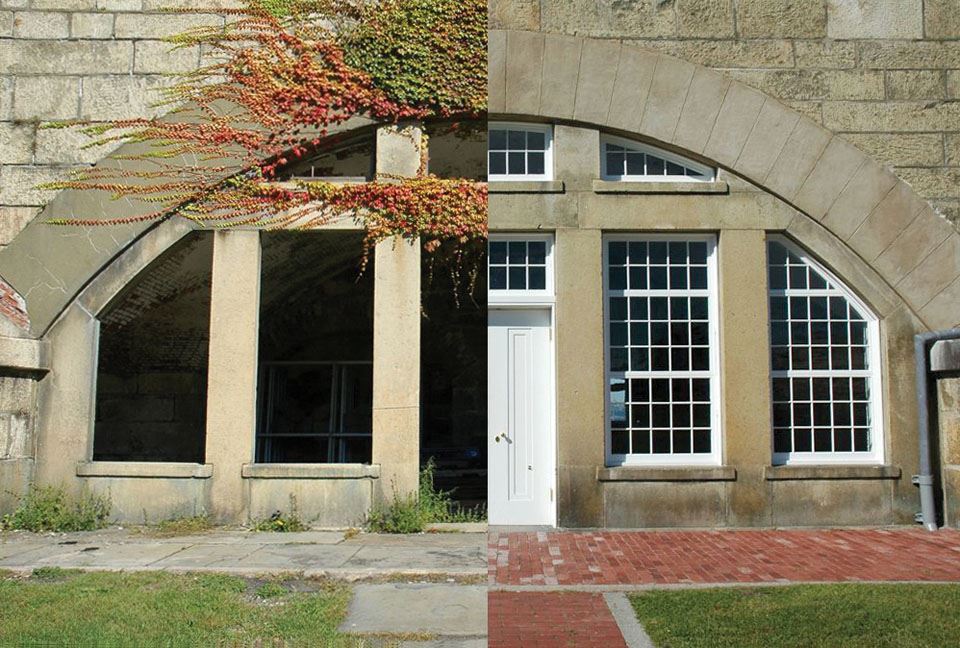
x=681, y=105
x=48, y=265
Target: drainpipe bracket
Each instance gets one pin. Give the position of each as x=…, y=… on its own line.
x=922, y=480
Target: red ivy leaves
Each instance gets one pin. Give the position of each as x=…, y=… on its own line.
x=275, y=89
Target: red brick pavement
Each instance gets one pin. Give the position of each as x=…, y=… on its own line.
x=551, y=620
x=652, y=557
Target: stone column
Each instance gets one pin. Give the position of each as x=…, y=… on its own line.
x=744, y=332
x=581, y=394
x=396, y=331
x=232, y=369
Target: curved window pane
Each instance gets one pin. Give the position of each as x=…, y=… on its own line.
x=821, y=344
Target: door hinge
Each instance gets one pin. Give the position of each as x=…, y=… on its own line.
x=551, y=494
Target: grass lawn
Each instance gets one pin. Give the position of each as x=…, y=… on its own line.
x=848, y=615
x=61, y=608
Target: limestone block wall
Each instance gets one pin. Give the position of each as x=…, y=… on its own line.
x=884, y=73
x=68, y=59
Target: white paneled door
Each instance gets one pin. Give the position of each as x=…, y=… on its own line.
x=521, y=441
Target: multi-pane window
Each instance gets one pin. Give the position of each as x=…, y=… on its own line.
x=824, y=369
x=626, y=160
x=662, y=356
x=519, y=152
x=518, y=265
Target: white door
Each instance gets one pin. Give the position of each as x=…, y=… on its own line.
x=521, y=454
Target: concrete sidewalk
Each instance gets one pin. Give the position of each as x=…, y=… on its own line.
x=461, y=556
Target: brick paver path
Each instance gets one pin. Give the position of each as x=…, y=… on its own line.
x=662, y=557
x=550, y=620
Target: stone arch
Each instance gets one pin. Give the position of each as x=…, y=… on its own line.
x=50, y=265
x=677, y=104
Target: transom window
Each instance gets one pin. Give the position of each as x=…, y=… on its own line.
x=633, y=161
x=520, y=266
x=661, y=350
x=824, y=364
x=519, y=152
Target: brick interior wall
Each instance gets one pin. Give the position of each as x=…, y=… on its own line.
x=884, y=73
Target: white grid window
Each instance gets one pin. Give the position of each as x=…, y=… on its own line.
x=824, y=364
x=519, y=152
x=520, y=267
x=632, y=161
x=661, y=350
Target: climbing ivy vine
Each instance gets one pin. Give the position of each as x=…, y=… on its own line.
x=284, y=73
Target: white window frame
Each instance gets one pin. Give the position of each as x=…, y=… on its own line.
x=524, y=297
x=873, y=374
x=547, y=130
x=715, y=456
x=709, y=174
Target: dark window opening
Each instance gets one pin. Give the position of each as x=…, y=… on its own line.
x=457, y=150
x=315, y=388
x=152, y=361
x=453, y=388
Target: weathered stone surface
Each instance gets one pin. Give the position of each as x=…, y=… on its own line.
x=159, y=57
x=65, y=57
x=91, y=25
x=514, y=14
x=18, y=184
x=808, y=85
x=705, y=18
x=41, y=24
x=874, y=19
x=894, y=117
x=46, y=97
x=908, y=55
x=827, y=54
x=781, y=19
x=157, y=26
x=953, y=84
x=920, y=149
x=14, y=219
x=16, y=142
x=119, y=97
x=939, y=182
x=915, y=84
x=941, y=18
x=953, y=148
x=624, y=19
x=728, y=53
x=67, y=146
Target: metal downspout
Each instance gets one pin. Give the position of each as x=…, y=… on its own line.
x=921, y=346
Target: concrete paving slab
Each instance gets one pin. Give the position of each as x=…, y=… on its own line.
x=431, y=560
x=448, y=611
x=111, y=557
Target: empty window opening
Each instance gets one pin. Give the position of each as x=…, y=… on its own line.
x=152, y=361
x=315, y=385
x=457, y=150
x=453, y=389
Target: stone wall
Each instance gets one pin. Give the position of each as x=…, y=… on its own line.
x=884, y=73
x=68, y=59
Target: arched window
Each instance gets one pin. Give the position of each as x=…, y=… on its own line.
x=627, y=160
x=824, y=358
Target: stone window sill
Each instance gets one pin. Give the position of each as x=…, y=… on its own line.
x=666, y=474
x=627, y=187
x=822, y=472
x=310, y=471
x=523, y=187
x=144, y=469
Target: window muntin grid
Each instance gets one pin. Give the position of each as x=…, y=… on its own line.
x=631, y=161
x=824, y=365
x=661, y=352
x=519, y=152
x=517, y=265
